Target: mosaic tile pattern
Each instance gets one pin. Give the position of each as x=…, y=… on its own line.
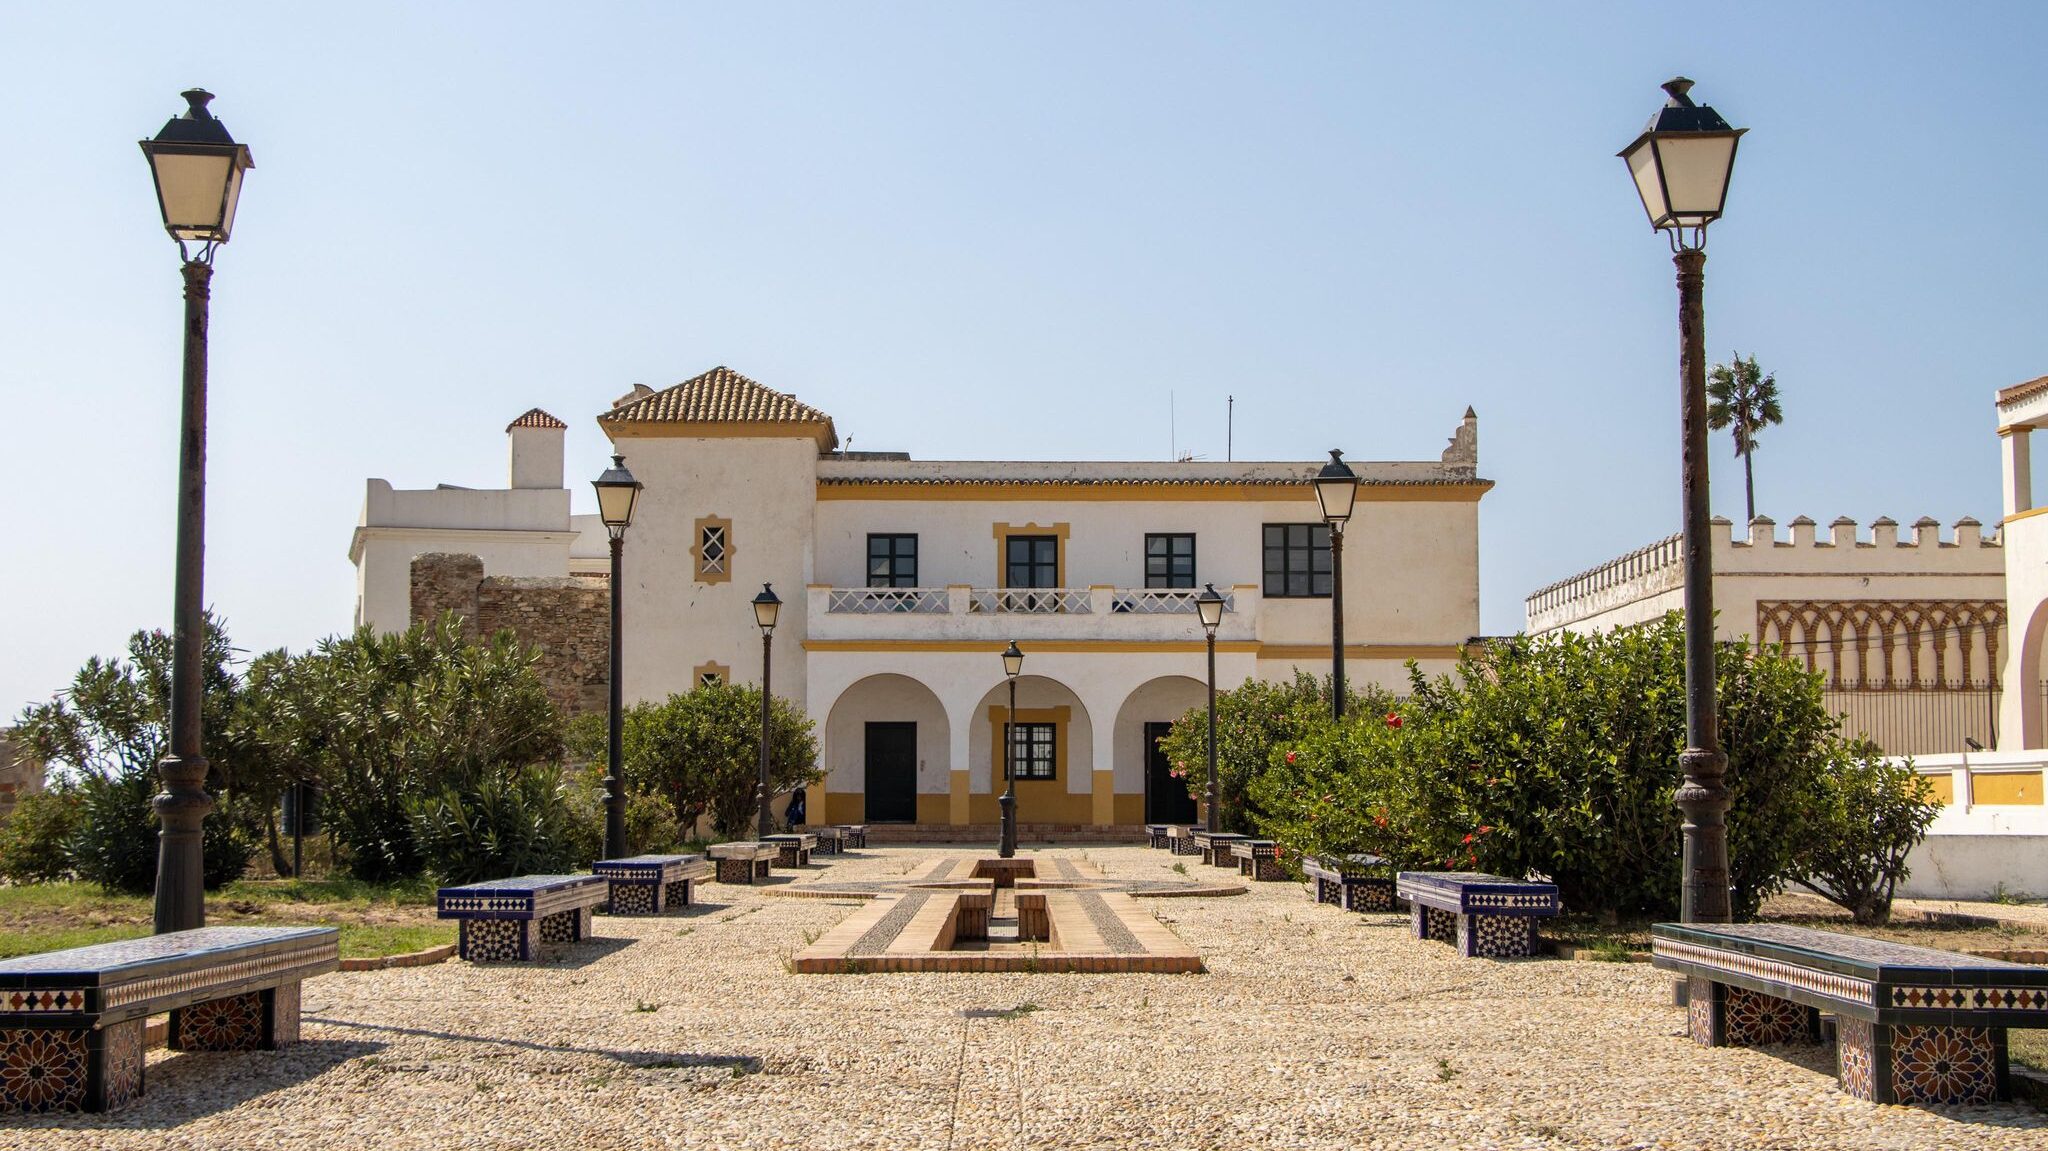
x=1856, y=1056
x=1981, y=998
x=284, y=1015
x=314, y=959
x=636, y=898
x=1826, y=983
x=44, y=1002
x=1496, y=936
x=1754, y=1019
x=565, y=926
x=735, y=871
x=234, y=1023
x=1328, y=890
x=1432, y=924
x=1701, y=1020
x=42, y=1070
x=1376, y=895
x=493, y=940
x=123, y=1062
x=1943, y=1065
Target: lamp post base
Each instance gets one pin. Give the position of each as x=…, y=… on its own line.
x=1008, y=846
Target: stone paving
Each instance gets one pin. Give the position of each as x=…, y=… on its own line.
x=1314, y=1028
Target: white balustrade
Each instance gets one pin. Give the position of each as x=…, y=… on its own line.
x=882, y=600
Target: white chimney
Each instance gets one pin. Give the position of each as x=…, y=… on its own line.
x=536, y=450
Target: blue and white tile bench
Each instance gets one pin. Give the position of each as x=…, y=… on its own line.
x=1215, y=846
x=856, y=834
x=72, y=1022
x=1258, y=859
x=831, y=840
x=793, y=850
x=1487, y=916
x=650, y=884
x=510, y=919
x=1347, y=881
x=1180, y=839
x=1912, y=1024
x=1155, y=834
x=742, y=860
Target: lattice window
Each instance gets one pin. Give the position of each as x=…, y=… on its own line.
x=712, y=555
x=1033, y=750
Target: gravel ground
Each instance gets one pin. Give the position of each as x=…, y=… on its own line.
x=1313, y=1029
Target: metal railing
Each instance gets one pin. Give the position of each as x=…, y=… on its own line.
x=1920, y=721
x=1163, y=601
x=1030, y=601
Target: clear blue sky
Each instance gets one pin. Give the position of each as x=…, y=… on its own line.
x=980, y=231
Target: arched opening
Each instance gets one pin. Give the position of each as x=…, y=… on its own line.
x=1054, y=753
x=1142, y=769
x=886, y=746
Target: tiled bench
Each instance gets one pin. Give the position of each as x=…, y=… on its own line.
x=72, y=1022
x=742, y=860
x=1180, y=839
x=1258, y=859
x=1488, y=916
x=1345, y=882
x=793, y=850
x=510, y=919
x=1155, y=833
x=1215, y=846
x=648, y=884
x=1912, y=1024
x=856, y=835
x=831, y=840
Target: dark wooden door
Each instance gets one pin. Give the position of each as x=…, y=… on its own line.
x=1166, y=798
x=892, y=773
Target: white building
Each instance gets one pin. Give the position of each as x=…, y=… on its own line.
x=902, y=580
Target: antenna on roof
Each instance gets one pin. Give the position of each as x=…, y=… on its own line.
x=1230, y=428
x=1172, y=431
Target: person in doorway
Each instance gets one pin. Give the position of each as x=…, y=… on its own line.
x=794, y=816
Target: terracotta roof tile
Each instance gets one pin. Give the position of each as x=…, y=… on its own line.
x=535, y=418
x=2022, y=391
x=720, y=395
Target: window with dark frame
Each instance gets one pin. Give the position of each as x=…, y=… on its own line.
x=1032, y=755
x=1031, y=561
x=892, y=560
x=1297, y=561
x=1170, y=559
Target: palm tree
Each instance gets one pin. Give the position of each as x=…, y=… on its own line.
x=1745, y=399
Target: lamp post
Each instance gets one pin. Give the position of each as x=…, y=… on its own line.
x=198, y=171
x=1681, y=164
x=617, y=492
x=1210, y=606
x=766, y=607
x=1013, y=665
x=1336, y=490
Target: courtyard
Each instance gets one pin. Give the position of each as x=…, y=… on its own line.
x=1312, y=1028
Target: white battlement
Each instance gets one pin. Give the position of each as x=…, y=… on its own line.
x=1845, y=551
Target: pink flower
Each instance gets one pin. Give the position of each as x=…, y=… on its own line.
x=1394, y=720
x=1290, y=757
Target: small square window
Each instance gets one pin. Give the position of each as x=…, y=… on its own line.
x=1032, y=750
x=892, y=560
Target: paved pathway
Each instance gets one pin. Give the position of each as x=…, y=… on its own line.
x=1314, y=1029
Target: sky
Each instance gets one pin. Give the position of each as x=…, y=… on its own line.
x=993, y=231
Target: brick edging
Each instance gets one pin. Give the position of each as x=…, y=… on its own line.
x=410, y=959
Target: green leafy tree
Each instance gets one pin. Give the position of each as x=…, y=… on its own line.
x=35, y=841
x=1251, y=720
x=381, y=722
x=701, y=752
x=1742, y=397
x=1869, y=814
x=104, y=735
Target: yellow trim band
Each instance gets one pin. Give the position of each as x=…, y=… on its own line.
x=1144, y=492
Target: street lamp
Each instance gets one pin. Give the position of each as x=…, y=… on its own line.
x=1013, y=665
x=617, y=493
x=1336, y=490
x=766, y=608
x=1681, y=165
x=198, y=170
x=1210, y=605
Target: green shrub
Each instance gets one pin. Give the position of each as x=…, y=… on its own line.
x=1868, y=815
x=35, y=840
x=1251, y=720
x=497, y=824
x=700, y=753
x=116, y=842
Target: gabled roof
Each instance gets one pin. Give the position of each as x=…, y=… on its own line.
x=535, y=418
x=726, y=400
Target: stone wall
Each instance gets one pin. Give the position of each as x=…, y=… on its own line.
x=20, y=773
x=568, y=619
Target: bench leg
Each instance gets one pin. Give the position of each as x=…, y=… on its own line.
x=571, y=926
x=761, y=868
x=256, y=1021
x=1718, y=1015
x=1921, y=1065
x=1325, y=891
x=492, y=940
x=635, y=898
x=1267, y=871
x=1374, y=895
x=1441, y=926
x=1496, y=936
x=735, y=871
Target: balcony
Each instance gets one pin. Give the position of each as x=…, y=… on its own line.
x=967, y=613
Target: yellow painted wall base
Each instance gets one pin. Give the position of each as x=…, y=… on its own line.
x=1102, y=808
x=2006, y=788
x=1944, y=787
x=935, y=809
x=956, y=803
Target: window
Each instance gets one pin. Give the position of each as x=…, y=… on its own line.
x=712, y=555
x=1031, y=561
x=1169, y=560
x=711, y=674
x=1032, y=755
x=892, y=561
x=1297, y=560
